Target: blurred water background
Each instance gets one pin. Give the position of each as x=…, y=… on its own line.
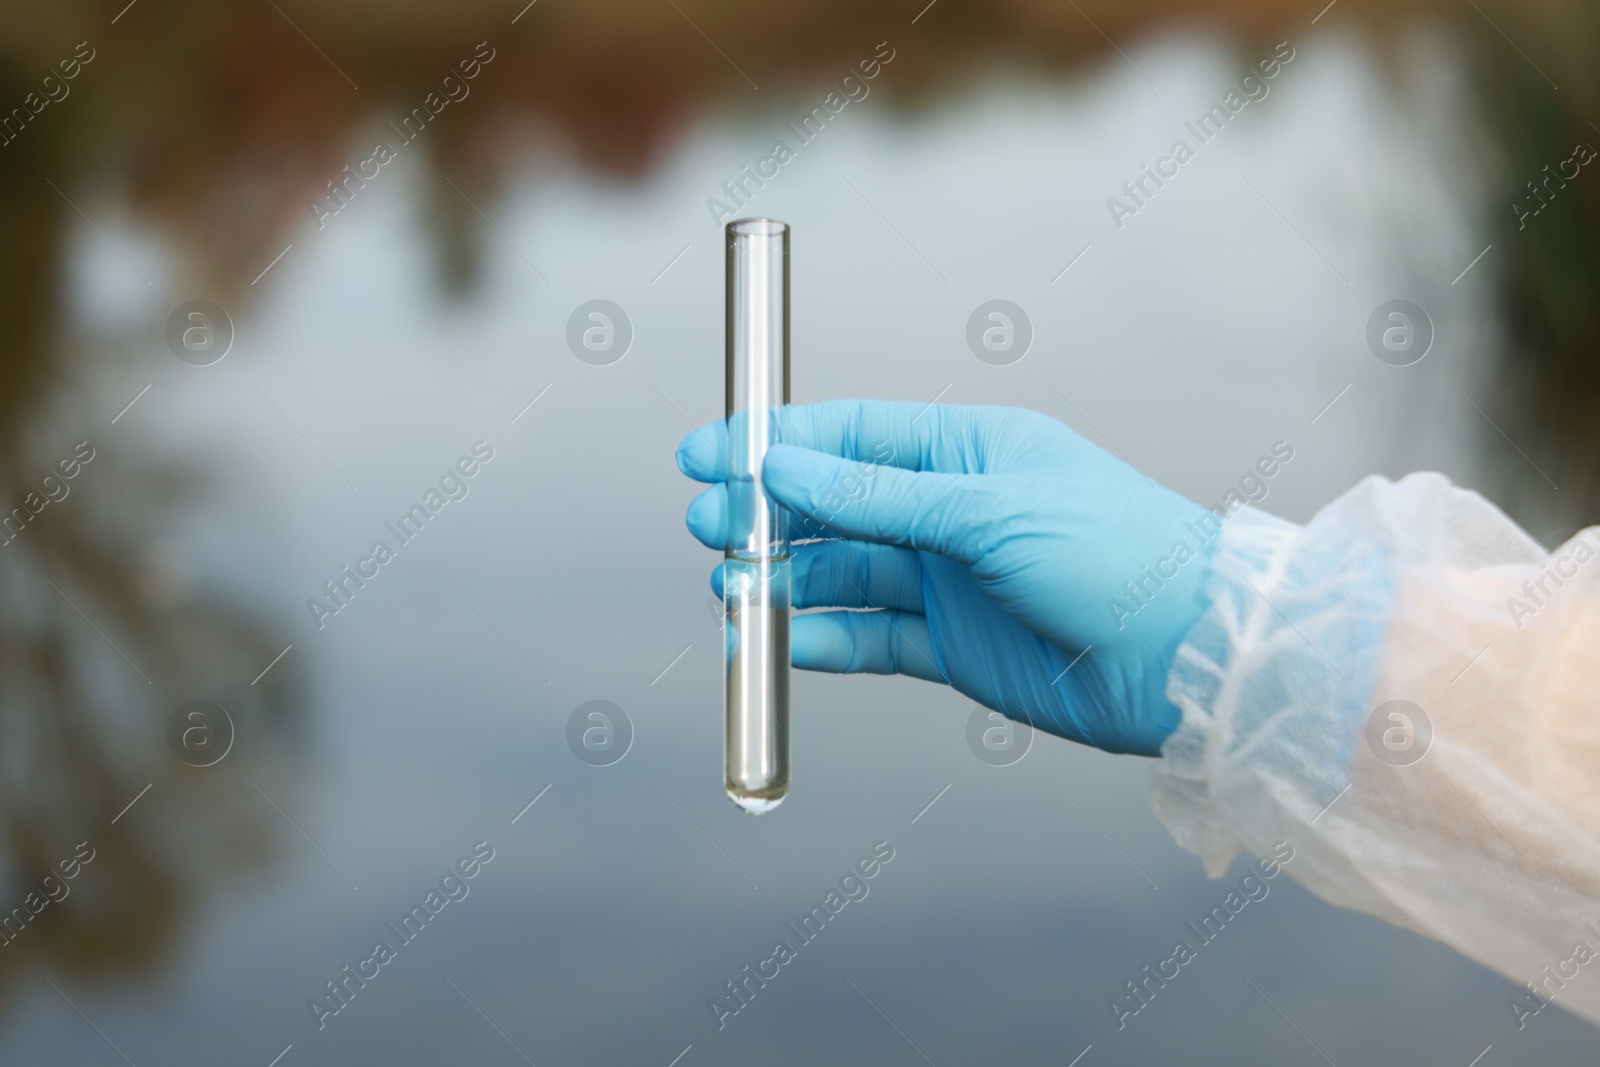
x=373, y=347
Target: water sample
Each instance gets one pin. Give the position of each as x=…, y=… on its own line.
x=756, y=582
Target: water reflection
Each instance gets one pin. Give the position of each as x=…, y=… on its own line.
x=224, y=128
x=102, y=638
x=220, y=126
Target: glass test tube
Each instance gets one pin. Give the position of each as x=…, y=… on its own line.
x=756, y=569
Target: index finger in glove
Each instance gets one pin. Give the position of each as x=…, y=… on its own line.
x=956, y=439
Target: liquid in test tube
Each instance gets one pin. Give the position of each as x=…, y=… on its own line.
x=756, y=589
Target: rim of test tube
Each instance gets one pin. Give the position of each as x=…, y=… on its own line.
x=757, y=227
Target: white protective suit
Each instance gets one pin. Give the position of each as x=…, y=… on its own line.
x=1423, y=592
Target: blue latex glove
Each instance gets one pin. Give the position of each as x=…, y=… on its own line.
x=995, y=544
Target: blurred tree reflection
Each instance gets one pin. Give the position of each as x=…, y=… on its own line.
x=83, y=733
x=1551, y=277
x=218, y=122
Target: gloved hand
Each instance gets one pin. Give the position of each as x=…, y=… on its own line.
x=994, y=544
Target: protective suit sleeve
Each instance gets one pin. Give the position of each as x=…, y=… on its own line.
x=1407, y=690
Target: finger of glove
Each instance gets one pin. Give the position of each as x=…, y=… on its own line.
x=707, y=519
x=864, y=642
x=941, y=513
x=851, y=574
x=703, y=452
x=925, y=437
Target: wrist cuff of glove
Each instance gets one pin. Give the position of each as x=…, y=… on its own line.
x=1272, y=681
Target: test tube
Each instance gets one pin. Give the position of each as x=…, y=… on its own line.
x=756, y=589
